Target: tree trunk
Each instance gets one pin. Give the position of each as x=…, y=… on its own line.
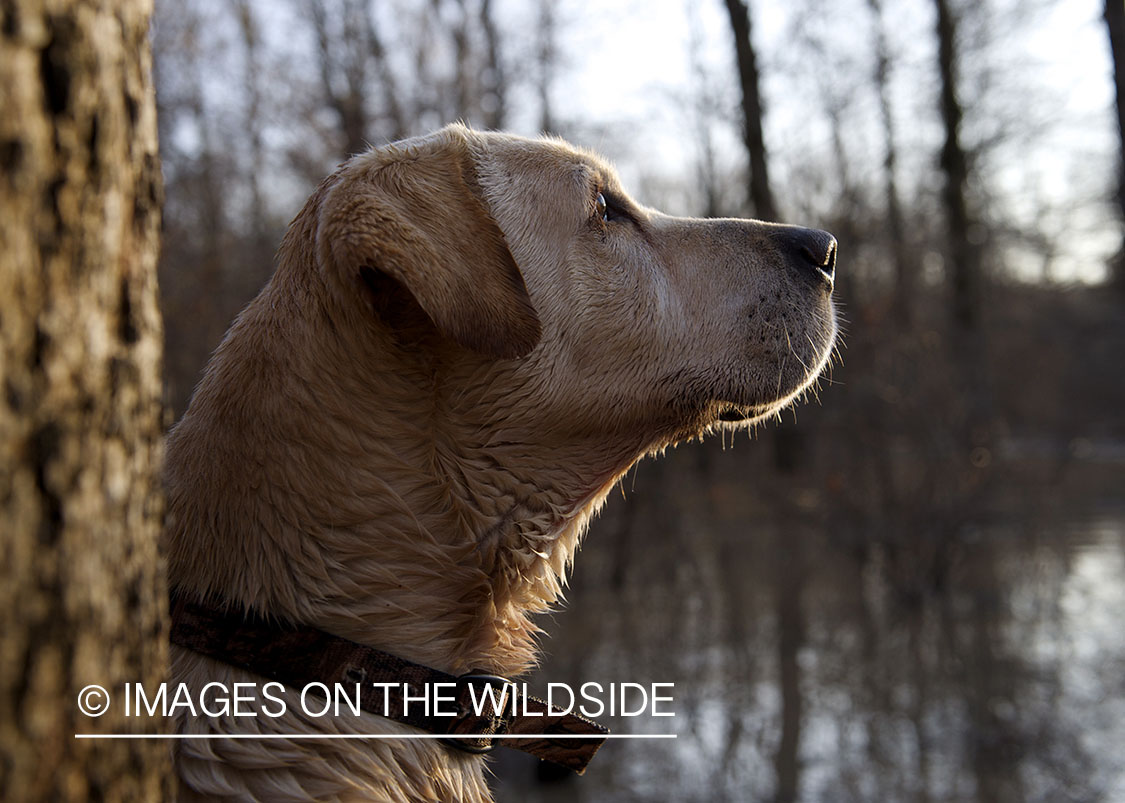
x=788, y=440
x=494, y=101
x=789, y=556
x=761, y=197
x=251, y=43
x=1115, y=24
x=396, y=124
x=703, y=108
x=546, y=58
x=342, y=67
x=904, y=263
x=82, y=590
x=964, y=254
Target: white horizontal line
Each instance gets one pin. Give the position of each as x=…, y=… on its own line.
x=371, y=736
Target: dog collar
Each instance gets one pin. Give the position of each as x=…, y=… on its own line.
x=299, y=655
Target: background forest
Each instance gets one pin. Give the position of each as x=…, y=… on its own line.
x=910, y=591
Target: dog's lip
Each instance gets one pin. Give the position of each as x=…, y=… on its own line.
x=734, y=413
x=731, y=413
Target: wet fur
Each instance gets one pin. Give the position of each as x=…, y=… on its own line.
x=402, y=438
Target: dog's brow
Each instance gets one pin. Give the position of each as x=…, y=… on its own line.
x=600, y=180
x=619, y=202
x=593, y=177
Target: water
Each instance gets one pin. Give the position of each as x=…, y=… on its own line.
x=817, y=660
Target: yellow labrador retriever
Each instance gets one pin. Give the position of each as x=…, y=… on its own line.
x=468, y=339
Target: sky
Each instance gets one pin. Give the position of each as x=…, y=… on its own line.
x=633, y=73
x=634, y=66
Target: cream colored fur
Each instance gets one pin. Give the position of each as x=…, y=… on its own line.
x=402, y=438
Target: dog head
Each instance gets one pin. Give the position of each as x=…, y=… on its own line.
x=605, y=314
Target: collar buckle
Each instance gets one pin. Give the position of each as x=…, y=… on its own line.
x=496, y=723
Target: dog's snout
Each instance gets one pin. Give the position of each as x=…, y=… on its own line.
x=810, y=250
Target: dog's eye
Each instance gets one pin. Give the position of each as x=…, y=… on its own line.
x=601, y=208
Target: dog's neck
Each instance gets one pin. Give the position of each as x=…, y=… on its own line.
x=353, y=493
x=458, y=561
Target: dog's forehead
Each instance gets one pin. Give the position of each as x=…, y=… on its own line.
x=552, y=155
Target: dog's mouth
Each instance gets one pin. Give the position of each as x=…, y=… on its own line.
x=734, y=414
x=745, y=413
x=742, y=414
x=797, y=372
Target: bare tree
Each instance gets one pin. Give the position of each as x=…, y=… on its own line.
x=397, y=126
x=199, y=223
x=494, y=97
x=904, y=263
x=703, y=103
x=964, y=255
x=1115, y=25
x=342, y=63
x=464, y=79
x=252, y=52
x=546, y=58
x=82, y=592
x=788, y=440
x=791, y=627
x=761, y=196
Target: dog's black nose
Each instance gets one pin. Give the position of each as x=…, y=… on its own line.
x=810, y=249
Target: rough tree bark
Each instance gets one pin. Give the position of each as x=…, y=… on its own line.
x=1115, y=25
x=82, y=591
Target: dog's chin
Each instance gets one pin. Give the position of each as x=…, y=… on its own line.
x=733, y=415
x=737, y=414
x=747, y=406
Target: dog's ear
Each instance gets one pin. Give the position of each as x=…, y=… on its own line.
x=417, y=214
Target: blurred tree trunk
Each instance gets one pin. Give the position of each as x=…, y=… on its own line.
x=761, y=197
x=1115, y=23
x=905, y=267
x=547, y=63
x=348, y=46
x=964, y=254
x=210, y=196
x=342, y=71
x=465, y=78
x=790, y=579
x=703, y=109
x=494, y=100
x=82, y=591
x=397, y=127
x=788, y=440
x=994, y=681
x=251, y=43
